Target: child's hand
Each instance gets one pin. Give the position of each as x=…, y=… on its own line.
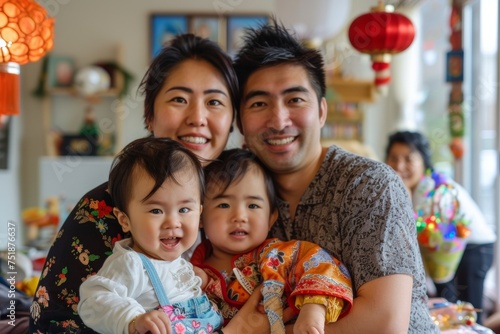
x=154, y=322
x=311, y=320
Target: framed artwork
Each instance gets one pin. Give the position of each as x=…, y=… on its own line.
x=206, y=27
x=236, y=26
x=455, y=66
x=60, y=71
x=226, y=30
x=164, y=28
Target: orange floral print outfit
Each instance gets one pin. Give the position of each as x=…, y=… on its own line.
x=292, y=272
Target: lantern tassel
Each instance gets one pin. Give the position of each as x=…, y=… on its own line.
x=10, y=92
x=382, y=73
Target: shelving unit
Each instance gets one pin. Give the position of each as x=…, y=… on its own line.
x=350, y=90
x=68, y=177
x=345, y=116
x=344, y=121
x=64, y=111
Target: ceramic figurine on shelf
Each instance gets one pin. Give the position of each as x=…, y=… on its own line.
x=89, y=127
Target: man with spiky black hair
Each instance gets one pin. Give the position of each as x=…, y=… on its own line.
x=355, y=208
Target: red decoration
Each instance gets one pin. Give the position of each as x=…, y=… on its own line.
x=380, y=34
x=457, y=147
x=10, y=92
x=455, y=76
x=456, y=26
x=26, y=34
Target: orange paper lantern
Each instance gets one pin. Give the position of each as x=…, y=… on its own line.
x=26, y=34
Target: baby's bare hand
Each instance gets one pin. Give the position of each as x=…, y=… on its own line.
x=155, y=322
x=311, y=320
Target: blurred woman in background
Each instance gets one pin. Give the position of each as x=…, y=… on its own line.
x=409, y=154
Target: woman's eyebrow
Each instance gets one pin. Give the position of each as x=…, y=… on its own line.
x=185, y=89
x=189, y=90
x=214, y=90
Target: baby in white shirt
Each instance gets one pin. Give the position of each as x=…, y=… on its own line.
x=145, y=285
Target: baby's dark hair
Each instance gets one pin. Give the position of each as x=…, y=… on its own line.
x=416, y=141
x=231, y=166
x=161, y=158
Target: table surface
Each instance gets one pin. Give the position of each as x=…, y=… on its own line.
x=446, y=308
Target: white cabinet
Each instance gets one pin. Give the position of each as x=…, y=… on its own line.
x=70, y=177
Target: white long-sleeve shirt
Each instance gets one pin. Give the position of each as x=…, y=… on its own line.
x=122, y=289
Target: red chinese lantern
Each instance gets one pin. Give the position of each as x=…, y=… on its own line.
x=381, y=33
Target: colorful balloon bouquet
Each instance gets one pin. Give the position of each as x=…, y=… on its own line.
x=442, y=230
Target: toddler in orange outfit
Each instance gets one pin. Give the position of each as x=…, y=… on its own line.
x=239, y=209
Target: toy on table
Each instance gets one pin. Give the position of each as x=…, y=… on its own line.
x=28, y=285
x=454, y=318
x=37, y=219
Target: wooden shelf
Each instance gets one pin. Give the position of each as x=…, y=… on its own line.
x=338, y=113
x=62, y=101
x=339, y=118
x=345, y=118
x=344, y=121
x=350, y=90
x=71, y=91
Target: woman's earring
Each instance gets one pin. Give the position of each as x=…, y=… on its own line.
x=231, y=129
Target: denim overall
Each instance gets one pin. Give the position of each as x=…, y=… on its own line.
x=195, y=315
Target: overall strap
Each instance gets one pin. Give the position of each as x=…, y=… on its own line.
x=155, y=280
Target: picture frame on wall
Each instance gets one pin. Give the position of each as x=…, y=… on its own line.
x=455, y=66
x=236, y=26
x=226, y=30
x=207, y=27
x=164, y=28
x=60, y=71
